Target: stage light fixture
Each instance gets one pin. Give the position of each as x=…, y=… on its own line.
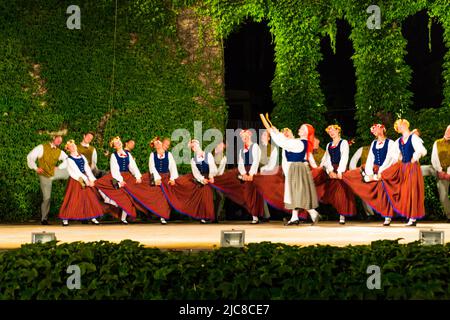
x=430, y=237
x=232, y=238
x=42, y=237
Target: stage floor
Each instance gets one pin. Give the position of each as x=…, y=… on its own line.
x=193, y=235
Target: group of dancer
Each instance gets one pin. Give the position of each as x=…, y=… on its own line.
x=389, y=180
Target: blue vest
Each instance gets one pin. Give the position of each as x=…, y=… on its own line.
x=297, y=156
x=380, y=154
x=247, y=156
x=79, y=162
x=406, y=149
x=161, y=165
x=203, y=165
x=335, y=153
x=123, y=162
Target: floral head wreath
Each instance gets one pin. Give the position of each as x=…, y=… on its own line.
x=111, y=142
x=68, y=143
x=333, y=126
x=152, y=142
x=245, y=132
x=192, y=142
x=377, y=126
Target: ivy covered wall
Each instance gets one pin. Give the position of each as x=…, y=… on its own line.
x=169, y=72
x=53, y=77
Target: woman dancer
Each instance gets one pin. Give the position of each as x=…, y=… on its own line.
x=237, y=184
x=124, y=172
x=161, y=163
x=182, y=192
x=403, y=181
x=204, y=169
x=335, y=191
x=299, y=191
x=271, y=184
x=363, y=180
x=81, y=201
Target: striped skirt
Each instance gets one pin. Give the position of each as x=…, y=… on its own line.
x=301, y=187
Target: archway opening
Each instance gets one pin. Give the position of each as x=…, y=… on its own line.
x=427, y=82
x=338, y=79
x=249, y=70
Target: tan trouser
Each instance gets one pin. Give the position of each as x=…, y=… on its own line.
x=46, y=188
x=442, y=186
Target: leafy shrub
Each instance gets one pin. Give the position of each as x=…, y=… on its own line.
x=258, y=271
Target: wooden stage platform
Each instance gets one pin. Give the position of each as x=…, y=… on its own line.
x=193, y=235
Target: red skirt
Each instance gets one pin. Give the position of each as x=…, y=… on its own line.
x=404, y=187
x=79, y=203
x=243, y=193
x=189, y=197
x=149, y=196
x=271, y=188
x=335, y=192
x=123, y=199
x=370, y=192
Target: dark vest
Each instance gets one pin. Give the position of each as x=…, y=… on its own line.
x=203, y=165
x=79, y=162
x=124, y=163
x=380, y=154
x=335, y=153
x=248, y=156
x=161, y=165
x=406, y=149
x=297, y=156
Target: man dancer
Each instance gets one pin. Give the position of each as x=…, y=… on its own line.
x=440, y=162
x=90, y=153
x=48, y=155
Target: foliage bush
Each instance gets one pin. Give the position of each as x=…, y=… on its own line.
x=258, y=271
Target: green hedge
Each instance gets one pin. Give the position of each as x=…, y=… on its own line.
x=258, y=271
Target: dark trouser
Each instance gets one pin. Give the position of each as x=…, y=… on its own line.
x=99, y=173
x=219, y=201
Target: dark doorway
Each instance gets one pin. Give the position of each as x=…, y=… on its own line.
x=338, y=80
x=249, y=70
x=426, y=82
